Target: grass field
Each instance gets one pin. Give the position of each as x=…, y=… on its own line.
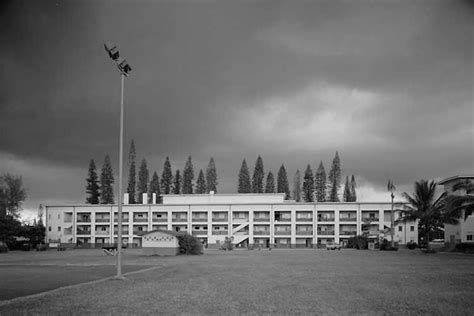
x=259, y=282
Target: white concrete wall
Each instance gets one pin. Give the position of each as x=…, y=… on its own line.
x=224, y=198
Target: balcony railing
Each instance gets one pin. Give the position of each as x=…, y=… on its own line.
x=261, y=219
x=140, y=219
x=326, y=232
x=349, y=233
x=326, y=219
x=139, y=232
x=219, y=219
x=124, y=232
x=348, y=219
x=160, y=219
x=83, y=220
x=179, y=219
x=102, y=220
x=261, y=232
x=283, y=232
x=83, y=232
x=100, y=232
x=200, y=232
x=304, y=219
x=370, y=219
x=220, y=232
x=124, y=220
x=199, y=219
x=304, y=232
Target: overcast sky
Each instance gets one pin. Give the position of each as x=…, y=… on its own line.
x=387, y=84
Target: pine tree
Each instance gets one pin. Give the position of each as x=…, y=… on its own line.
x=131, y=188
x=347, y=191
x=308, y=185
x=297, y=186
x=320, y=183
x=106, y=181
x=143, y=178
x=334, y=179
x=282, y=182
x=270, y=187
x=201, y=183
x=353, y=189
x=188, y=177
x=244, y=179
x=258, y=176
x=211, y=177
x=92, y=188
x=177, y=183
x=166, y=177
x=154, y=188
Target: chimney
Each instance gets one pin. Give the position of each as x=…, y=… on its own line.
x=145, y=198
x=153, y=198
x=125, y=198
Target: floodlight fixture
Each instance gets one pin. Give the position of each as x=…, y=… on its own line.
x=112, y=50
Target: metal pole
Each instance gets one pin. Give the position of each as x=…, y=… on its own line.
x=391, y=220
x=119, y=222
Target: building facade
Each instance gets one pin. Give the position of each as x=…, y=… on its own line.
x=463, y=232
x=263, y=220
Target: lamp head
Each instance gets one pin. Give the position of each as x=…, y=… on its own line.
x=112, y=50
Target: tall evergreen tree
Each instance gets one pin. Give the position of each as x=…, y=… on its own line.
x=258, y=176
x=244, y=179
x=353, y=186
x=201, y=183
x=270, y=186
x=106, y=181
x=282, y=182
x=92, y=188
x=308, y=185
x=166, y=177
x=143, y=178
x=320, y=183
x=347, y=191
x=297, y=186
x=154, y=188
x=211, y=177
x=131, y=187
x=334, y=179
x=177, y=183
x=188, y=177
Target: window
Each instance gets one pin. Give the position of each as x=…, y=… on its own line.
x=469, y=237
x=59, y=228
x=412, y=228
x=103, y=228
x=49, y=228
x=400, y=228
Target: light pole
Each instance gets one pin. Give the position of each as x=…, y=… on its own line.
x=391, y=188
x=124, y=68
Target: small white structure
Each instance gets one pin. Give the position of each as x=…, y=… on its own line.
x=160, y=243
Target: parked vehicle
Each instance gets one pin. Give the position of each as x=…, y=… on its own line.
x=333, y=246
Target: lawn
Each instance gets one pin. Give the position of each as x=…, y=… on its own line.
x=269, y=282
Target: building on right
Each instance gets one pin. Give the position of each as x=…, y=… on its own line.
x=463, y=232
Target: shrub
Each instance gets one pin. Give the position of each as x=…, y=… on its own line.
x=189, y=244
x=464, y=247
x=411, y=245
x=385, y=245
x=41, y=247
x=3, y=247
x=358, y=242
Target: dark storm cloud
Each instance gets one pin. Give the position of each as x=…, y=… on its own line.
x=388, y=84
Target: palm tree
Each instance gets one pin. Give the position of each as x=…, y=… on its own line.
x=429, y=210
x=460, y=203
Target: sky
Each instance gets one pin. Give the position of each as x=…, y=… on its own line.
x=388, y=84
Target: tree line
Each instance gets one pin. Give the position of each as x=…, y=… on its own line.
x=99, y=189
x=315, y=187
